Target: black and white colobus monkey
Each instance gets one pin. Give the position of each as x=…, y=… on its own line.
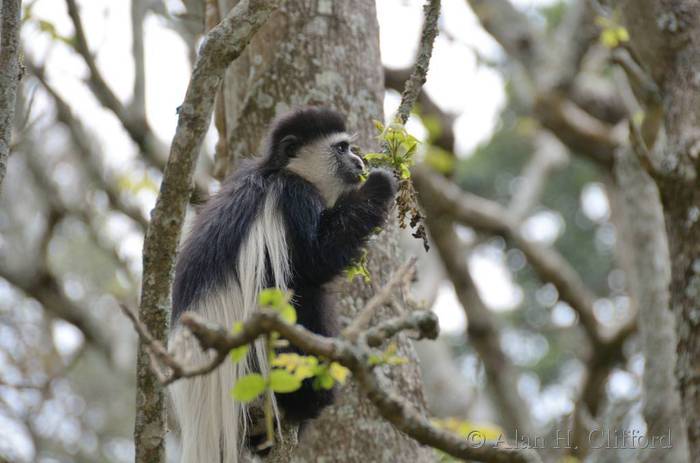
x=293, y=219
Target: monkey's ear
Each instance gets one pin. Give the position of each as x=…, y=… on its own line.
x=289, y=146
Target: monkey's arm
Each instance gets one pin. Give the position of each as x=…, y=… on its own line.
x=329, y=240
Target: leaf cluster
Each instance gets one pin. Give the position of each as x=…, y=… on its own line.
x=398, y=154
x=288, y=370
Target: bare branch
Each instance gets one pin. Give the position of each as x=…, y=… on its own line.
x=133, y=121
x=549, y=89
x=10, y=74
x=482, y=328
x=395, y=80
x=414, y=84
x=223, y=44
x=354, y=356
x=137, y=107
x=87, y=151
x=549, y=155
x=222, y=154
x=580, y=131
x=97, y=83
x=480, y=213
x=509, y=27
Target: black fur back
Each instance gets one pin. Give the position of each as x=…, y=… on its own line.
x=210, y=253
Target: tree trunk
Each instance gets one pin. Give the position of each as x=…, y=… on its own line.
x=649, y=273
x=665, y=35
x=322, y=52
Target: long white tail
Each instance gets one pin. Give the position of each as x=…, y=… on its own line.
x=212, y=424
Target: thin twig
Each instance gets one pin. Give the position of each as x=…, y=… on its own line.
x=414, y=84
x=132, y=118
x=380, y=298
x=212, y=17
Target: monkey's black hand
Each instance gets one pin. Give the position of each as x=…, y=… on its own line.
x=380, y=186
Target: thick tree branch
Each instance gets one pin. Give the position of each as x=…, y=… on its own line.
x=580, y=131
x=223, y=44
x=483, y=214
x=482, y=328
x=10, y=74
x=550, y=87
x=665, y=39
x=355, y=357
x=549, y=155
x=511, y=29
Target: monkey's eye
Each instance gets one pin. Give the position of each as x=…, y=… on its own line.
x=342, y=147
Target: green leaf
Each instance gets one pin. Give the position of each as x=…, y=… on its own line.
x=405, y=172
x=248, y=387
x=238, y=353
x=372, y=157
x=271, y=297
x=288, y=314
x=378, y=125
x=283, y=381
x=324, y=380
x=359, y=268
x=338, y=372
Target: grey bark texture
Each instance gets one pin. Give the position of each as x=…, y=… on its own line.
x=665, y=35
x=327, y=53
x=649, y=275
x=9, y=75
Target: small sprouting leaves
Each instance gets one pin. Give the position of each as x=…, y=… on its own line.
x=400, y=148
x=283, y=381
x=399, y=152
x=272, y=297
x=302, y=366
x=238, y=353
x=338, y=372
x=612, y=34
x=323, y=381
x=464, y=428
x=359, y=269
x=248, y=387
x=278, y=301
x=388, y=357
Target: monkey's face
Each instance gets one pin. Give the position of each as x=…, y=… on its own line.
x=330, y=163
x=349, y=166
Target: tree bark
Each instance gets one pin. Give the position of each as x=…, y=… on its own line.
x=320, y=52
x=649, y=274
x=665, y=35
x=9, y=75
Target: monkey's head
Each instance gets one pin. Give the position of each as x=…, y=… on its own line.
x=313, y=143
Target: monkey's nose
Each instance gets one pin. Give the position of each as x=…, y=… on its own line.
x=357, y=162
